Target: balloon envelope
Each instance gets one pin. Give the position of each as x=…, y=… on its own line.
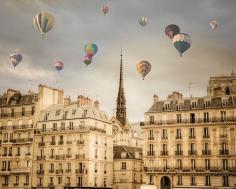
x=87, y=60
x=143, y=21
x=182, y=42
x=213, y=24
x=90, y=49
x=43, y=22
x=171, y=30
x=143, y=68
x=105, y=9
x=59, y=65
x=15, y=59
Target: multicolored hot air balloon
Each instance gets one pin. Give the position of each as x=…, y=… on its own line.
x=182, y=42
x=90, y=49
x=143, y=21
x=59, y=65
x=143, y=68
x=171, y=30
x=43, y=22
x=105, y=9
x=213, y=24
x=15, y=59
x=87, y=60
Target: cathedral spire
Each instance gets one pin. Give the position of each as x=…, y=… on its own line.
x=121, y=102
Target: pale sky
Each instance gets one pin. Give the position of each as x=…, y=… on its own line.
x=80, y=21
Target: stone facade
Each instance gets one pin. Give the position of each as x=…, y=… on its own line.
x=191, y=142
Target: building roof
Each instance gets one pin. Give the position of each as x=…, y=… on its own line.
x=58, y=112
x=174, y=105
x=130, y=152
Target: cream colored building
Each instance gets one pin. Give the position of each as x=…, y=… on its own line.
x=127, y=167
x=190, y=142
x=16, y=138
x=73, y=146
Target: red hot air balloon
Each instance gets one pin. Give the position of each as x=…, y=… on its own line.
x=171, y=30
x=105, y=9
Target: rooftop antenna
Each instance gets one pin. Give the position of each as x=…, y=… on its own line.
x=31, y=84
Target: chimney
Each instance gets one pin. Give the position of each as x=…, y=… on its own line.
x=82, y=101
x=155, y=98
x=96, y=104
x=67, y=101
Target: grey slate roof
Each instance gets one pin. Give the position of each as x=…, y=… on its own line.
x=130, y=152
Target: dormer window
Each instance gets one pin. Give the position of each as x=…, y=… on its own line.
x=151, y=119
x=227, y=91
x=57, y=112
x=167, y=106
x=207, y=103
x=194, y=104
x=224, y=102
x=123, y=155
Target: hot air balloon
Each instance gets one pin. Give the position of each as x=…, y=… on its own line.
x=182, y=42
x=15, y=59
x=105, y=9
x=59, y=65
x=213, y=24
x=87, y=60
x=171, y=30
x=143, y=21
x=90, y=49
x=143, y=68
x=43, y=22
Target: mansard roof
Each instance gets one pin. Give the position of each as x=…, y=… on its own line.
x=130, y=152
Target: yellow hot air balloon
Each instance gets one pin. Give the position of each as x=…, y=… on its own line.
x=143, y=68
x=43, y=22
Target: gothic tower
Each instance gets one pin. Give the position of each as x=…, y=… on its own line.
x=121, y=102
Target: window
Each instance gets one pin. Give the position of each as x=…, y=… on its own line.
x=59, y=180
x=80, y=181
x=191, y=133
x=205, y=132
x=23, y=111
x=151, y=135
x=165, y=164
x=179, y=182
x=12, y=112
x=43, y=127
x=96, y=153
x=68, y=180
x=178, y=117
x=151, y=152
x=227, y=91
x=208, y=181
x=192, y=180
x=54, y=126
x=207, y=164
x=62, y=125
x=164, y=134
x=151, y=119
x=26, y=179
x=225, y=164
x=193, y=164
x=178, y=149
x=179, y=164
x=223, y=116
x=206, y=117
x=192, y=118
x=225, y=181
x=51, y=180
x=57, y=112
x=71, y=126
x=123, y=165
x=32, y=110
x=17, y=180
x=193, y=105
x=167, y=106
x=207, y=103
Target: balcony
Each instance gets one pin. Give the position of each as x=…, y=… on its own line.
x=51, y=170
x=52, y=143
x=41, y=157
x=67, y=184
x=41, y=144
x=51, y=184
x=150, y=138
x=17, y=114
x=164, y=138
x=223, y=136
x=80, y=156
x=60, y=142
x=5, y=172
x=16, y=184
x=68, y=170
x=192, y=137
x=150, y=153
x=69, y=142
x=164, y=153
x=68, y=155
x=59, y=171
x=18, y=170
x=80, y=142
x=192, y=152
x=26, y=184
x=52, y=156
x=178, y=137
x=60, y=157
x=179, y=152
x=79, y=171
x=224, y=152
x=4, y=184
x=206, y=136
x=206, y=152
x=40, y=172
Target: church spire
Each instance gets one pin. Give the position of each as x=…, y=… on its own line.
x=121, y=102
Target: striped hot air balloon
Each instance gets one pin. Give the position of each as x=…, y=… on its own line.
x=15, y=58
x=105, y=9
x=182, y=42
x=90, y=49
x=43, y=22
x=213, y=24
x=59, y=65
x=143, y=21
x=143, y=68
x=171, y=30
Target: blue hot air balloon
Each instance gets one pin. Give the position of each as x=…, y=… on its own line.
x=182, y=42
